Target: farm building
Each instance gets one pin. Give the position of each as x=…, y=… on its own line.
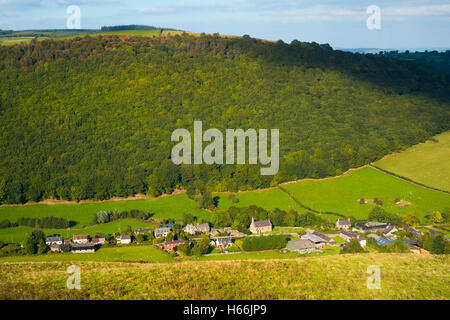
x=390, y=229
x=301, y=246
x=84, y=248
x=318, y=238
x=416, y=233
x=54, y=240
x=80, y=238
x=98, y=240
x=382, y=241
x=260, y=226
x=58, y=247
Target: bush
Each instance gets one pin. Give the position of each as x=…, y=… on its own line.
x=353, y=246
x=264, y=243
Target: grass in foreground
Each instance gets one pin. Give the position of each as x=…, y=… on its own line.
x=122, y=254
x=403, y=276
x=427, y=163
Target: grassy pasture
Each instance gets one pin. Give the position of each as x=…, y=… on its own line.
x=17, y=234
x=341, y=194
x=268, y=199
x=81, y=213
x=125, y=253
x=427, y=163
x=403, y=276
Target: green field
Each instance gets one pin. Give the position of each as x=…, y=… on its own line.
x=17, y=234
x=164, y=207
x=427, y=163
x=125, y=253
x=403, y=276
x=341, y=194
x=268, y=199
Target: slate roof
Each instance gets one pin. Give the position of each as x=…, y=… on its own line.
x=54, y=239
x=343, y=222
x=300, y=244
x=262, y=223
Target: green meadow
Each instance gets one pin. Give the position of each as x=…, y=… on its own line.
x=427, y=163
x=17, y=234
x=120, y=254
x=81, y=213
x=341, y=194
x=267, y=198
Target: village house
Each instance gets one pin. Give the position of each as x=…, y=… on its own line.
x=123, y=239
x=199, y=228
x=161, y=232
x=347, y=236
x=260, y=226
x=215, y=232
x=171, y=245
x=222, y=242
x=343, y=224
x=98, y=240
x=84, y=248
x=54, y=240
x=58, y=247
x=80, y=238
x=372, y=226
x=416, y=233
x=141, y=231
x=389, y=231
x=301, y=246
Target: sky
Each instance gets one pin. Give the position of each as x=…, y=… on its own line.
x=340, y=23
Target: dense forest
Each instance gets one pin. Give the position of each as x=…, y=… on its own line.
x=435, y=59
x=92, y=117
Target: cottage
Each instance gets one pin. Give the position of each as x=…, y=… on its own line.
x=84, y=248
x=98, y=240
x=222, y=242
x=199, y=228
x=390, y=229
x=215, y=232
x=161, y=232
x=58, y=247
x=80, y=238
x=141, y=231
x=123, y=239
x=260, y=226
x=54, y=240
x=301, y=246
x=343, y=224
x=171, y=245
x=416, y=233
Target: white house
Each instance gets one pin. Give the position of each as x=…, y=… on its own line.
x=54, y=240
x=343, y=224
x=80, y=238
x=123, y=239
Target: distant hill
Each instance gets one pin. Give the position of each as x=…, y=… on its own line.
x=92, y=117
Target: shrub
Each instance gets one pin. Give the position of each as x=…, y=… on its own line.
x=264, y=243
x=353, y=246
